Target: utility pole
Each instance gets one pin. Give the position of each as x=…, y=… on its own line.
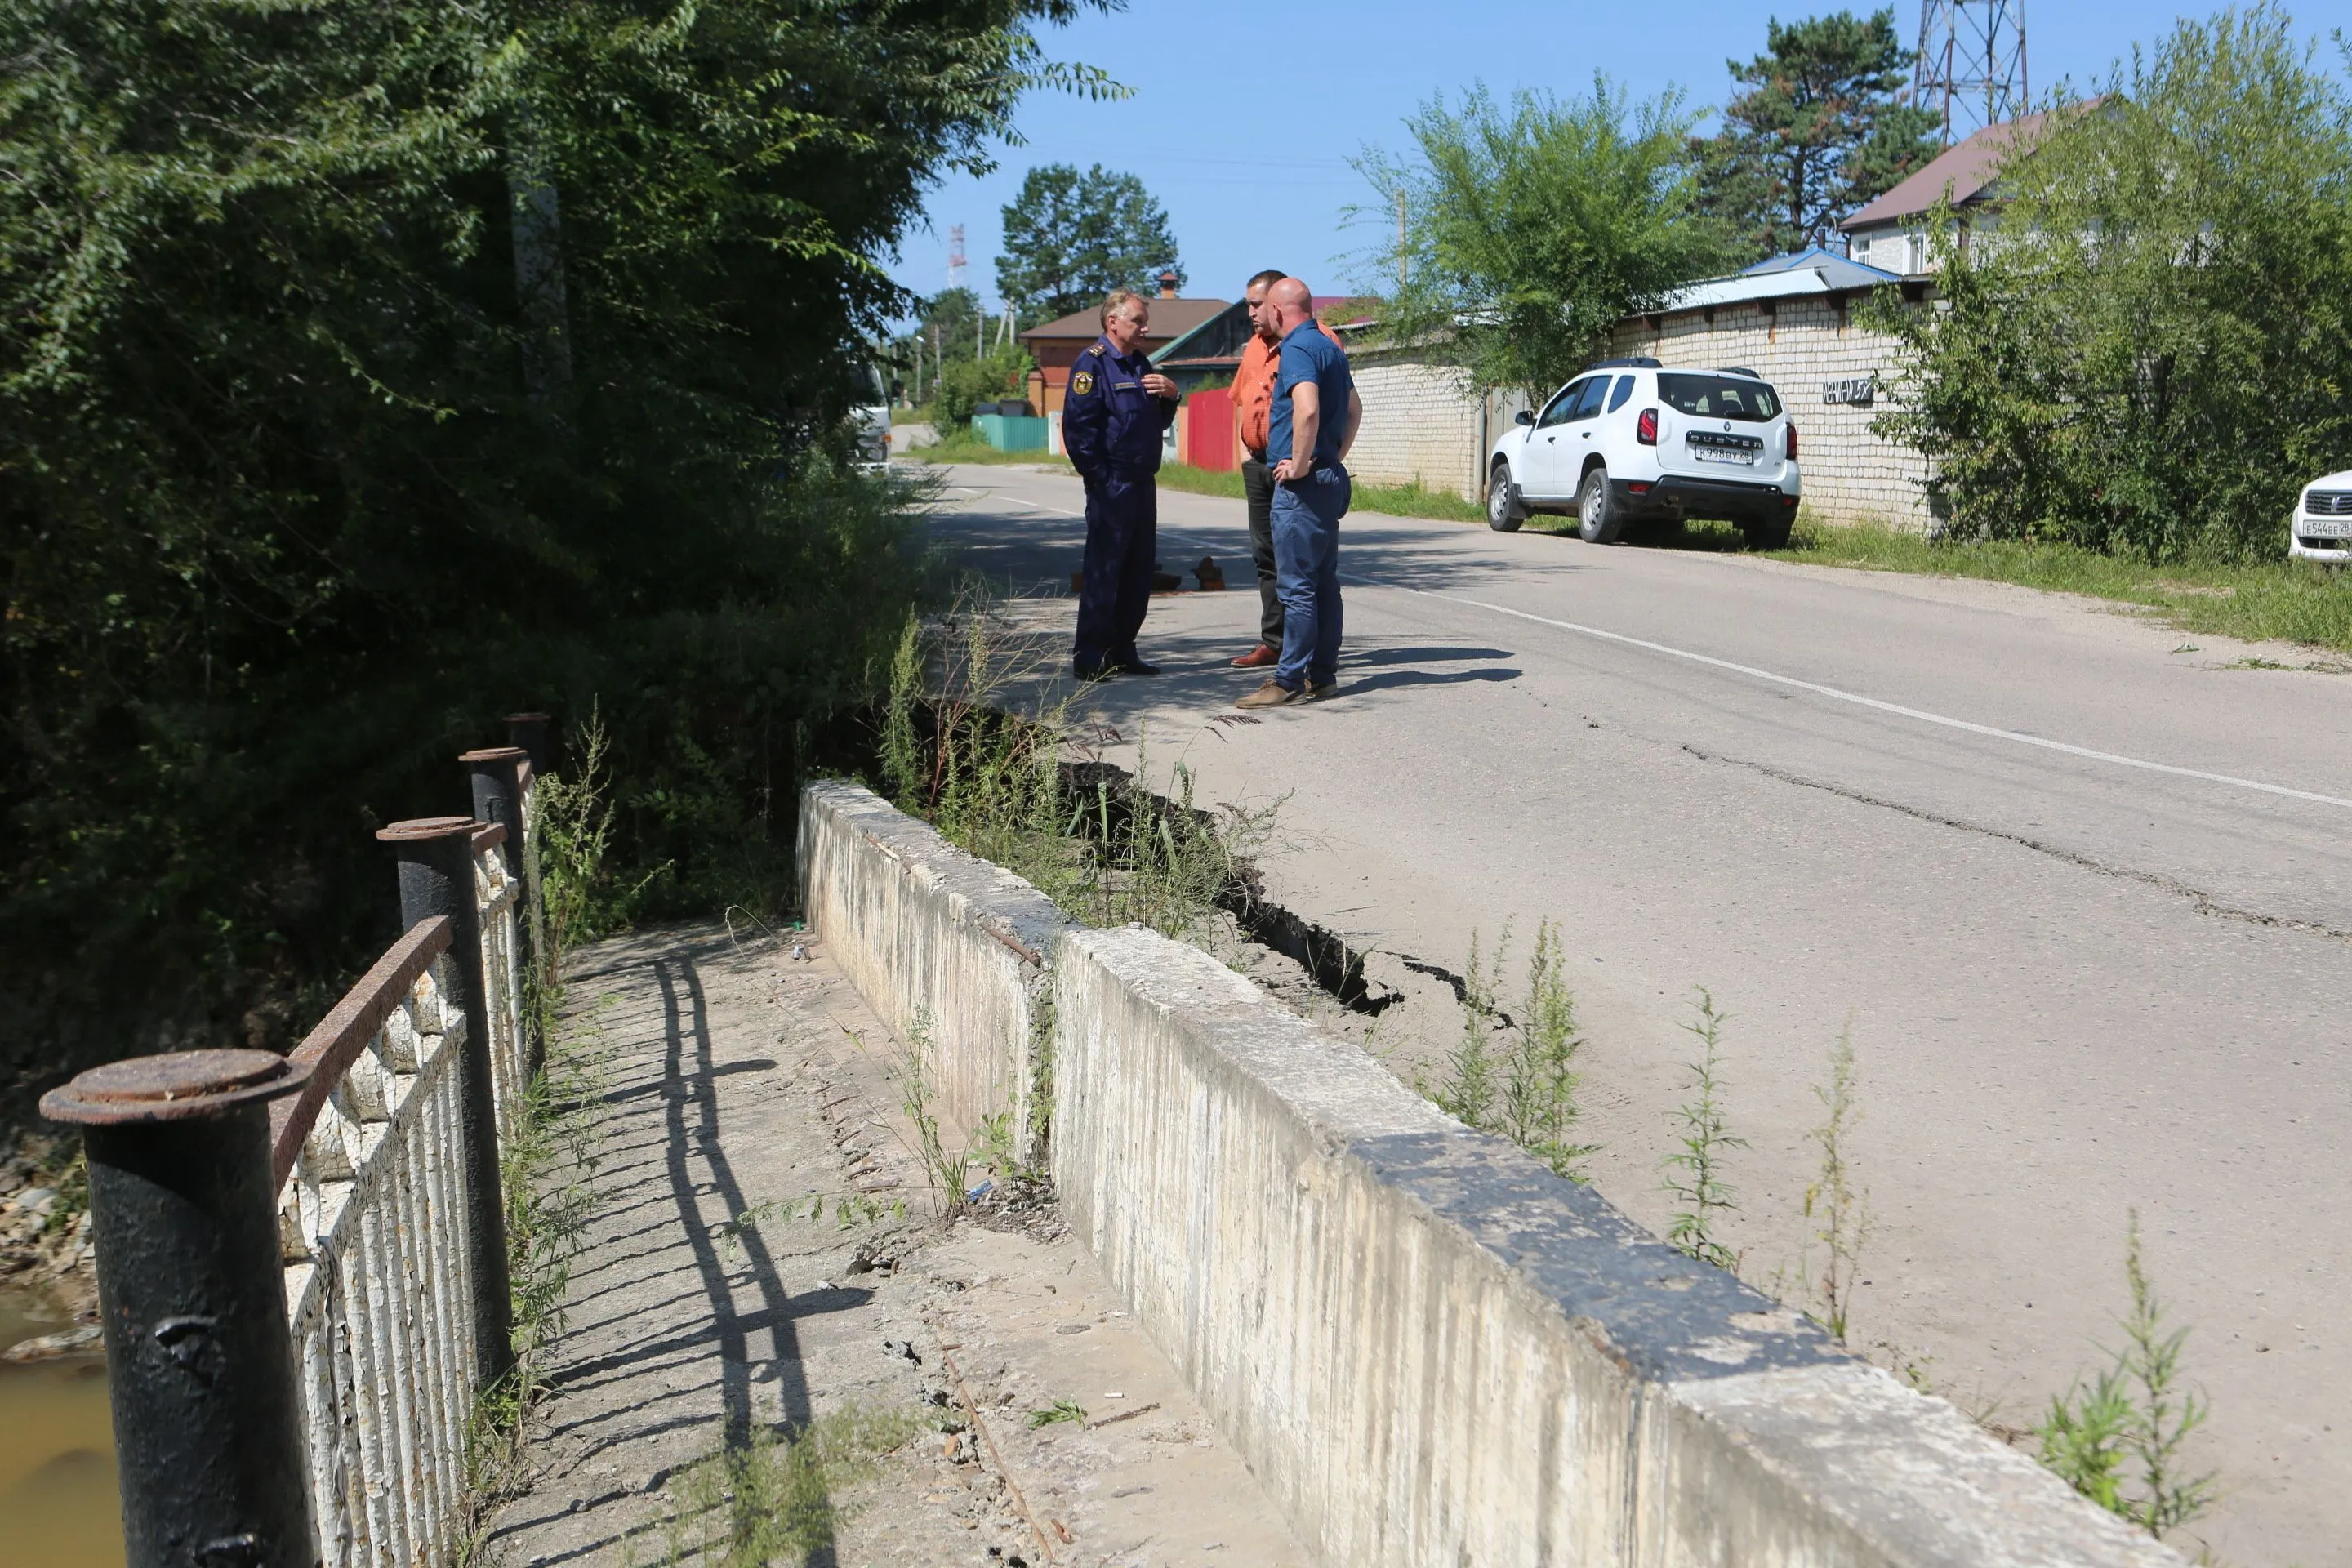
x=1971, y=68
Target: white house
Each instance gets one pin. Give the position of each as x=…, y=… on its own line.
x=1890, y=232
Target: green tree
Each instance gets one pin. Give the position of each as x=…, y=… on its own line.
x=371, y=367
x=964, y=383
x=954, y=321
x=1820, y=130
x=950, y=330
x=1070, y=238
x=2143, y=351
x=1533, y=226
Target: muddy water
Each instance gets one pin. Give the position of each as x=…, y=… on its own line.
x=57, y=1502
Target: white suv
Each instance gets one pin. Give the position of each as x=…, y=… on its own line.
x=2321, y=529
x=1630, y=441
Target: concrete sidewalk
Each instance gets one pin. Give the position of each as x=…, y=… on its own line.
x=738, y=1080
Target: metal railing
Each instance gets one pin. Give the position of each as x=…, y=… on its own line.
x=302, y=1267
x=378, y=1281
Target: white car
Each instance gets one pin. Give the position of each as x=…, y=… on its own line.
x=2321, y=529
x=1630, y=441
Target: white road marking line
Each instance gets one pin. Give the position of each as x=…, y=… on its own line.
x=1019, y=500
x=1835, y=694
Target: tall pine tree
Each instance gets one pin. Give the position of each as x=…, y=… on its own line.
x=1070, y=238
x=1821, y=129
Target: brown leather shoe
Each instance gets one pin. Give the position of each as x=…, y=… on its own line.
x=1269, y=695
x=1316, y=693
x=1257, y=658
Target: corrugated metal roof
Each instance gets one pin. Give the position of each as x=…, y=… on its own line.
x=1783, y=277
x=1965, y=170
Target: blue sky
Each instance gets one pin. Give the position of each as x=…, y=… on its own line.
x=1251, y=160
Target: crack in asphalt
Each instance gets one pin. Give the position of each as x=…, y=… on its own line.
x=2203, y=901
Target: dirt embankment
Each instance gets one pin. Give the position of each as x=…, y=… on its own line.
x=45, y=1259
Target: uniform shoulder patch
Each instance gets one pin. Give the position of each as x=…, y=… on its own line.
x=1083, y=382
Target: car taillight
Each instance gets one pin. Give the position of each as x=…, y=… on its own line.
x=1792, y=440
x=1646, y=430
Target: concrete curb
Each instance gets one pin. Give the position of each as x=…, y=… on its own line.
x=933, y=937
x=1430, y=1349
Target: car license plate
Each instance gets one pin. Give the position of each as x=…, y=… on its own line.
x=2325, y=527
x=1720, y=455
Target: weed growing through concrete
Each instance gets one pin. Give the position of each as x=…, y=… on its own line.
x=772, y=1501
x=1060, y=1410
x=1838, y=1210
x=1538, y=1108
x=1514, y=1074
x=547, y=1171
x=1468, y=1090
x=995, y=1150
x=2121, y=1440
x=849, y=1209
x=947, y=1171
x=571, y=823
x=1023, y=791
x=1694, y=1171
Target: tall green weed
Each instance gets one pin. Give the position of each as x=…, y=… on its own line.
x=975, y=735
x=1513, y=1073
x=2121, y=1439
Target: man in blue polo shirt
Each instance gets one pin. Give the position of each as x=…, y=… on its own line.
x=1311, y=427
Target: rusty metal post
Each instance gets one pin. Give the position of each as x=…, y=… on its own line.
x=496, y=772
x=208, y=1423
x=437, y=878
x=528, y=731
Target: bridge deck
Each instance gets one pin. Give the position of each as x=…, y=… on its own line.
x=736, y=1077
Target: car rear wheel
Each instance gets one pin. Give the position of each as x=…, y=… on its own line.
x=1599, y=520
x=1764, y=532
x=1504, y=512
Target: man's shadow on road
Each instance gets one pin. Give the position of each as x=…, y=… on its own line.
x=1373, y=656
x=1395, y=680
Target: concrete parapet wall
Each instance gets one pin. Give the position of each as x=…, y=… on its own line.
x=933, y=937
x=1430, y=1349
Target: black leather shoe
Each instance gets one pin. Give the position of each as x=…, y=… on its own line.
x=1133, y=666
x=1098, y=672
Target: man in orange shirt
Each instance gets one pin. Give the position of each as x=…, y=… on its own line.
x=1254, y=405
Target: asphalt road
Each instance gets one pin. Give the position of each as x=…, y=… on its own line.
x=2081, y=885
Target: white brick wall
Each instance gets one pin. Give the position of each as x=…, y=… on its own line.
x=1851, y=474
x=1422, y=421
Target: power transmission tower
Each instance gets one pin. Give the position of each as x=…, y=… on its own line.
x=1971, y=67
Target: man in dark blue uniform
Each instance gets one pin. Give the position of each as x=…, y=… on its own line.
x=1117, y=411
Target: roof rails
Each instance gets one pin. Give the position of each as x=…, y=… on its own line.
x=1622, y=365
x=1736, y=369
